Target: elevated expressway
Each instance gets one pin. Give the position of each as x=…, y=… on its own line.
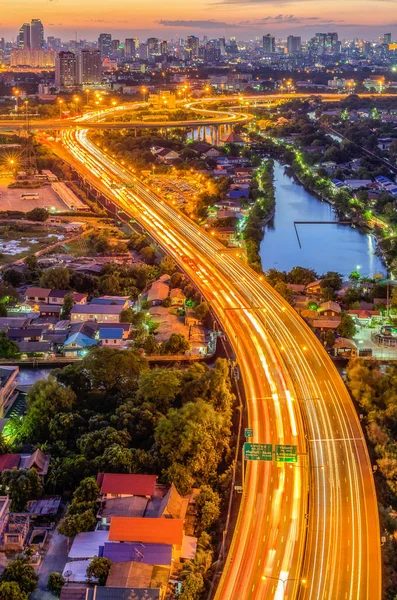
x=308, y=531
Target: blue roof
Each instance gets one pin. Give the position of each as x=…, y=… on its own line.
x=239, y=193
x=337, y=183
x=106, y=301
x=151, y=554
x=81, y=340
x=382, y=179
x=111, y=333
x=393, y=191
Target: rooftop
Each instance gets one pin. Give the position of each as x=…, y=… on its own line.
x=151, y=531
x=126, y=484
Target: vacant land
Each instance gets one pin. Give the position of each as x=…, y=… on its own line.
x=11, y=199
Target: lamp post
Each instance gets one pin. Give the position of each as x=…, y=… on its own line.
x=17, y=93
x=60, y=102
x=76, y=100
x=144, y=90
x=87, y=92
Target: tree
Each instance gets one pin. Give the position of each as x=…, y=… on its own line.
x=176, y=280
x=148, y=255
x=114, y=370
x=14, y=277
x=37, y=214
x=332, y=279
x=55, y=583
x=10, y=590
x=159, y=387
x=21, y=573
x=116, y=459
x=208, y=505
x=176, y=344
x=150, y=346
x=8, y=293
x=192, y=587
x=8, y=349
x=168, y=265
x=45, y=399
x=301, y=275
x=99, y=569
x=22, y=485
x=346, y=328
x=94, y=443
x=68, y=303
x=127, y=315
x=189, y=291
x=283, y=290
x=55, y=278
x=71, y=525
x=87, y=491
x=202, y=310
x=31, y=262
x=330, y=338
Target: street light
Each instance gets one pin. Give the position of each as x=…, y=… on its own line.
x=60, y=102
x=87, y=93
x=76, y=101
x=144, y=90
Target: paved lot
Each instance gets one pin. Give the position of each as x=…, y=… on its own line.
x=54, y=560
x=11, y=199
x=363, y=340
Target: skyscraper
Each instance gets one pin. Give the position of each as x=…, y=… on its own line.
x=387, y=38
x=294, y=44
x=130, y=46
x=192, y=44
x=24, y=37
x=66, y=69
x=36, y=34
x=89, y=67
x=105, y=44
x=269, y=44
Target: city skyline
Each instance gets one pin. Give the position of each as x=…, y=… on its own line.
x=251, y=18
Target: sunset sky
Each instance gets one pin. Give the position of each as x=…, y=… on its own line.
x=244, y=19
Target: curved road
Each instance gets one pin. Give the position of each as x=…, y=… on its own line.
x=287, y=544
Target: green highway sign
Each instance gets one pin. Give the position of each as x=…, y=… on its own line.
x=248, y=432
x=258, y=451
x=286, y=454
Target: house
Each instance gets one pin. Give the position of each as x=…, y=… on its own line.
x=364, y=316
x=177, y=297
x=34, y=347
x=166, y=155
x=37, y=294
x=191, y=318
x=314, y=288
x=96, y=312
x=111, y=336
x=329, y=309
x=326, y=324
x=78, y=592
x=133, y=574
x=13, y=322
x=232, y=138
x=38, y=461
x=225, y=233
x=78, y=344
x=151, y=554
x=15, y=532
x=158, y=292
x=124, y=327
x=47, y=310
x=296, y=288
x=147, y=531
x=120, y=485
x=345, y=348
x=58, y=296
x=111, y=300
x=27, y=334
x=211, y=153
x=8, y=376
x=86, y=545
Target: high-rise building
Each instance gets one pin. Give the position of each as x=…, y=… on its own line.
x=115, y=46
x=164, y=48
x=222, y=46
x=66, y=69
x=143, y=51
x=105, y=44
x=130, y=47
x=294, y=44
x=153, y=46
x=89, y=67
x=387, y=38
x=193, y=44
x=36, y=34
x=24, y=37
x=269, y=44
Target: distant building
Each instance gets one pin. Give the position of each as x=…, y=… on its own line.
x=24, y=37
x=33, y=58
x=89, y=67
x=269, y=44
x=294, y=44
x=130, y=47
x=105, y=44
x=66, y=70
x=36, y=34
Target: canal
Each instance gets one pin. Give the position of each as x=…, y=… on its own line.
x=340, y=248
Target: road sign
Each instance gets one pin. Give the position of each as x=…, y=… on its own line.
x=258, y=451
x=248, y=432
x=286, y=454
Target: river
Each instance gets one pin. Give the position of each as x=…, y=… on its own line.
x=331, y=247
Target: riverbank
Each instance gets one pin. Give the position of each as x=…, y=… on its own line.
x=340, y=201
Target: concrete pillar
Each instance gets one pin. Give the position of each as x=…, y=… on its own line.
x=216, y=136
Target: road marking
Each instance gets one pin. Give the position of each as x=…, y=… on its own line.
x=336, y=440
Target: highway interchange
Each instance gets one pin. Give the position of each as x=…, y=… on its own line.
x=308, y=531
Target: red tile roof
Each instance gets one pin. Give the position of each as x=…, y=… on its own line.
x=125, y=484
x=364, y=314
x=146, y=531
x=9, y=461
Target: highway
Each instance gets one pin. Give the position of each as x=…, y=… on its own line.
x=308, y=531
